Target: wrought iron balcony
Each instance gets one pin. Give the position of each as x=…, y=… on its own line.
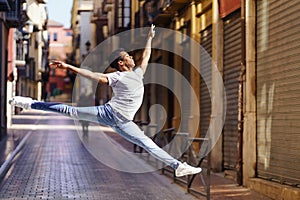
x=175, y=5
x=20, y=53
x=6, y=5
x=162, y=12
x=15, y=17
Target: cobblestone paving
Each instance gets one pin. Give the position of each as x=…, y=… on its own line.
x=54, y=164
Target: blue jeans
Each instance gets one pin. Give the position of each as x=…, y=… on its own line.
x=105, y=115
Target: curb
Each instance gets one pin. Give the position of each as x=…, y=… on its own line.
x=5, y=166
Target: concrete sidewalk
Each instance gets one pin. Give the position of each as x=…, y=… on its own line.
x=221, y=188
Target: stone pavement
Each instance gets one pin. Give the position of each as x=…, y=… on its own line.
x=54, y=164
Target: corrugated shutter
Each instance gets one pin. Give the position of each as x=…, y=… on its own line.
x=205, y=70
x=185, y=92
x=232, y=65
x=278, y=91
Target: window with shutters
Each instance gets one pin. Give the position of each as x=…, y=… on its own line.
x=123, y=13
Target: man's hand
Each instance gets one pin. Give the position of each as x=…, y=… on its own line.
x=152, y=31
x=57, y=64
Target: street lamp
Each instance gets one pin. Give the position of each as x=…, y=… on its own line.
x=88, y=46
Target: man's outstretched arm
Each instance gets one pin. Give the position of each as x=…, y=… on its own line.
x=147, y=51
x=99, y=77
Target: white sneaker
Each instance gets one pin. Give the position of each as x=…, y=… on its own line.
x=22, y=102
x=184, y=169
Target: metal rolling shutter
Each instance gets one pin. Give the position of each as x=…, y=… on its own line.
x=232, y=65
x=278, y=91
x=205, y=70
x=185, y=92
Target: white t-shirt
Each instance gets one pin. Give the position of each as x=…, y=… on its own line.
x=128, y=91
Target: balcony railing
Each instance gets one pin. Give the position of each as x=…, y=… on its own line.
x=163, y=11
x=6, y=5
x=14, y=16
x=175, y=5
x=21, y=49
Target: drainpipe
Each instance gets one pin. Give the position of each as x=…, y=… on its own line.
x=240, y=96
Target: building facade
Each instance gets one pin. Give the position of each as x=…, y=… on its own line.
x=249, y=42
x=27, y=53
x=30, y=76
x=252, y=45
x=92, y=23
x=84, y=40
x=6, y=8
x=19, y=21
x=60, y=48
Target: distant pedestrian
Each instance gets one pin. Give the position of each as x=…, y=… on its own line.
x=128, y=88
x=84, y=101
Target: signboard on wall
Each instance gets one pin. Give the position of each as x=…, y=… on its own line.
x=228, y=6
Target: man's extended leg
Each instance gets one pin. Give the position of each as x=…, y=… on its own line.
x=132, y=132
x=82, y=113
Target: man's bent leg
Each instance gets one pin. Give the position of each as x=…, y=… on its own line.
x=132, y=132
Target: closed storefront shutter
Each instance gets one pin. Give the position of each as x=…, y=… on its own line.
x=278, y=91
x=205, y=85
x=232, y=66
x=185, y=92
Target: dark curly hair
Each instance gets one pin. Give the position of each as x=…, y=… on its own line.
x=114, y=58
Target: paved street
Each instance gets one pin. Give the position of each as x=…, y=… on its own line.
x=54, y=164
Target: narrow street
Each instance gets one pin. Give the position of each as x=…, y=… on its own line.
x=54, y=164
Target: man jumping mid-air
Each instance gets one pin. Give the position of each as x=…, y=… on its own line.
x=118, y=113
